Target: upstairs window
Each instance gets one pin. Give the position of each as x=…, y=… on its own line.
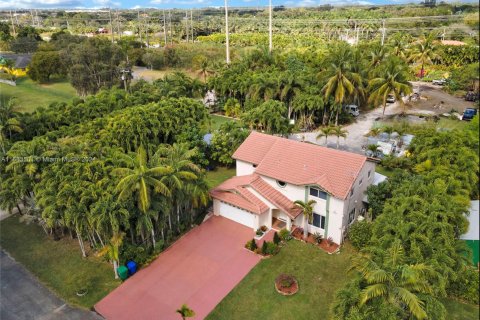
x=352, y=191
x=351, y=216
x=369, y=173
x=318, y=193
x=281, y=184
x=360, y=182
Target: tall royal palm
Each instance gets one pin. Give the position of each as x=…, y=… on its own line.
x=141, y=179
x=307, y=210
x=339, y=77
x=391, y=79
x=394, y=280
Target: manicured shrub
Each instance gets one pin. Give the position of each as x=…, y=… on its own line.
x=264, y=247
x=360, y=233
x=259, y=232
x=317, y=237
x=251, y=245
x=276, y=238
x=285, y=235
x=272, y=248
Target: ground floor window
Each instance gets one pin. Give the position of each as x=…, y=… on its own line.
x=318, y=221
x=351, y=216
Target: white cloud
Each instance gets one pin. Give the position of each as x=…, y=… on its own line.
x=31, y=4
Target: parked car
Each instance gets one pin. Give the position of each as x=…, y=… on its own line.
x=469, y=113
x=439, y=82
x=352, y=109
x=472, y=96
x=390, y=98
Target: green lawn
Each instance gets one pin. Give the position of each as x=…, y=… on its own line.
x=318, y=274
x=382, y=170
x=217, y=121
x=451, y=124
x=460, y=311
x=31, y=95
x=57, y=264
x=214, y=178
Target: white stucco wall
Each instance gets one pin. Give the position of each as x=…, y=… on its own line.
x=291, y=191
x=244, y=168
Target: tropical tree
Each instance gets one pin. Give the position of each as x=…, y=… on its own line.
x=185, y=312
x=325, y=132
x=142, y=179
x=391, y=79
x=424, y=52
x=307, y=210
x=394, y=280
x=340, y=133
x=112, y=250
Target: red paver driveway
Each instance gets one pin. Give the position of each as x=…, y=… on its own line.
x=200, y=269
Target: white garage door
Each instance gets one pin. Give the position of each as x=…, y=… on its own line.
x=237, y=215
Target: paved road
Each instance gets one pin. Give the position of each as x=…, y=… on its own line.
x=22, y=297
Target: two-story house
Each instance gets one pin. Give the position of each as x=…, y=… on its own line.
x=273, y=172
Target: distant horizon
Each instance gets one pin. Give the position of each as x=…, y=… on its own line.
x=191, y=4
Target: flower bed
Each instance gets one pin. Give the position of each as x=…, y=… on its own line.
x=326, y=245
x=286, y=285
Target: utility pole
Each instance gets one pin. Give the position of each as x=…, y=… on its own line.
x=383, y=32
x=119, y=33
x=170, y=23
x=146, y=24
x=13, y=25
x=139, y=30
x=227, y=40
x=270, y=41
x=36, y=17
x=33, y=20
x=111, y=24
x=164, y=28
x=191, y=23
x=186, y=24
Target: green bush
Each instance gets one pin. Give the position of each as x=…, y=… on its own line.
x=251, y=245
x=271, y=248
x=360, y=233
x=264, y=247
x=276, y=238
x=466, y=286
x=285, y=235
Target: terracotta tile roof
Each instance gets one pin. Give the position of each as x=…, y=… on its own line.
x=275, y=197
x=302, y=163
x=234, y=192
x=237, y=191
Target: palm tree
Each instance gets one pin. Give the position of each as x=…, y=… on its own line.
x=140, y=178
x=339, y=77
x=340, y=133
x=325, y=132
x=392, y=80
x=185, y=312
x=392, y=279
x=307, y=210
x=183, y=170
x=424, y=52
x=112, y=249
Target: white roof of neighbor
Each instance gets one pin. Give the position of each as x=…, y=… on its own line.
x=473, y=228
x=378, y=178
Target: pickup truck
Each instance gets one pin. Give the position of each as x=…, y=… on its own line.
x=439, y=82
x=352, y=109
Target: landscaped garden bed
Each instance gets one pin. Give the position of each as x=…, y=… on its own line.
x=286, y=285
x=326, y=245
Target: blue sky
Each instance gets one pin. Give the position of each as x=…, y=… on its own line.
x=28, y=4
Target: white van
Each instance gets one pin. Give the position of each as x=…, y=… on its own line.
x=352, y=109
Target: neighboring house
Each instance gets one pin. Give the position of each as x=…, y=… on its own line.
x=472, y=235
x=273, y=172
x=21, y=62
